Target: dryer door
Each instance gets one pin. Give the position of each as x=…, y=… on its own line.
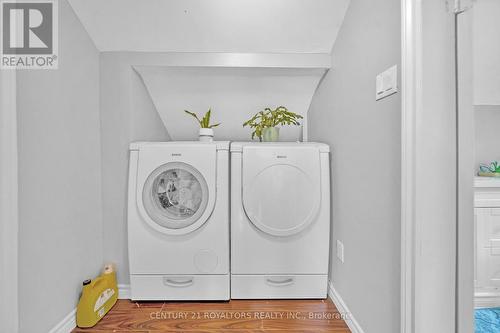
x=175, y=197
x=281, y=188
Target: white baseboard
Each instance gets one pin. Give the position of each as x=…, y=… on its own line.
x=123, y=291
x=69, y=322
x=66, y=325
x=343, y=309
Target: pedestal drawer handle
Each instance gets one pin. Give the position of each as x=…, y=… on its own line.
x=279, y=283
x=178, y=283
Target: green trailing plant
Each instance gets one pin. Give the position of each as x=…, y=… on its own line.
x=271, y=118
x=205, y=121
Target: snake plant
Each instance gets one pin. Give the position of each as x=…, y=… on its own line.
x=205, y=121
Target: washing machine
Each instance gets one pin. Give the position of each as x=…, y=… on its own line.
x=178, y=221
x=280, y=220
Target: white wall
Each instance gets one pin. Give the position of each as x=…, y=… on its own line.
x=486, y=48
x=365, y=139
x=60, y=211
x=146, y=124
x=8, y=204
x=234, y=94
x=127, y=114
x=487, y=134
x=486, y=54
x=435, y=193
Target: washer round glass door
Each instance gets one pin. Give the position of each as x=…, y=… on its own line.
x=175, y=195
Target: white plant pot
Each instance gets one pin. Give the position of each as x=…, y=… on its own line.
x=270, y=134
x=206, y=134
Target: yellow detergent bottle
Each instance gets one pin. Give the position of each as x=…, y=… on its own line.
x=98, y=297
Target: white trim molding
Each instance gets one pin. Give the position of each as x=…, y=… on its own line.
x=428, y=199
x=351, y=322
x=411, y=82
x=235, y=60
x=9, y=312
x=66, y=325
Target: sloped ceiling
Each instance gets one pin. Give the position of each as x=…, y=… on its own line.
x=234, y=94
x=242, y=26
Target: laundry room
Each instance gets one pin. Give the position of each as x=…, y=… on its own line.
x=202, y=166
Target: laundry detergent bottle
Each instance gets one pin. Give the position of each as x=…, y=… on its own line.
x=98, y=297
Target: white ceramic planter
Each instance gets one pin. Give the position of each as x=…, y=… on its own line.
x=206, y=134
x=270, y=134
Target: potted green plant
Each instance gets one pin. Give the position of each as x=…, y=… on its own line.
x=265, y=123
x=206, y=130
x=490, y=170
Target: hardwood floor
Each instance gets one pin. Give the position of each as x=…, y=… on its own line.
x=237, y=316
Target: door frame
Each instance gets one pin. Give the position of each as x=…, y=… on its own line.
x=9, y=311
x=465, y=168
x=413, y=267
x=411, y=30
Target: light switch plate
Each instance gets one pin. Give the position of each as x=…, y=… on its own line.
x=387, y=83
x=340, y=251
